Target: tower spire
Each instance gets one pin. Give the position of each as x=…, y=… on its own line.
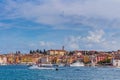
x=62, y=47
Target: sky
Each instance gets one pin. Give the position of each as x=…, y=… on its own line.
x=50, y=24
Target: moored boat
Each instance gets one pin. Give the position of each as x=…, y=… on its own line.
x=3, y=64
x=43, y=66
x=77, y=64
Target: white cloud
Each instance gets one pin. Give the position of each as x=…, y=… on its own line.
x=42, y=44
x=58, y=13
x=72, y=42
x=95, y=40
x=96, y=36
x=46, y=44
x=100, y=16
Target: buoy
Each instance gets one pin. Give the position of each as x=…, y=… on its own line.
x=56, y=69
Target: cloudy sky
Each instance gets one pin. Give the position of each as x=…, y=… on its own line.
x=51, y=24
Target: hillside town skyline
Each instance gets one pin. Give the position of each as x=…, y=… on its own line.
x=61, y=56
x=44, y=49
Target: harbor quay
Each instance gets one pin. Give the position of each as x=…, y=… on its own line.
x=53, y=56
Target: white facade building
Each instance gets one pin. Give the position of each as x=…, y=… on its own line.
x=116, y=63
x=3, y=60
x=116, y=60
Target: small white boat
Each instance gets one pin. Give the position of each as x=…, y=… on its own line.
x=40, y=67
x=61, y=65
x=77, y=64
x=3, y=64
x=45, y=65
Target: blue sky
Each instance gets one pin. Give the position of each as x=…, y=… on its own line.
x=50, y=24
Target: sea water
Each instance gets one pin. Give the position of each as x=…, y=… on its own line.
x=20, y=72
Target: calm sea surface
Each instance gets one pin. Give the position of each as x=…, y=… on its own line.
x=67, y=73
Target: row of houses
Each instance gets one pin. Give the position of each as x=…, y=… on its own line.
x=19, y=58
x=61, y=56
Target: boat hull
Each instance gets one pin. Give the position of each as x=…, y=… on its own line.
x=77, y=64
x=40, y=67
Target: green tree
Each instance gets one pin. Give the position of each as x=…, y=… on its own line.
x=44, y=51
x=38, y=51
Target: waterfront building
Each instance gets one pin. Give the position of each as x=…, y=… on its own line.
x=78, y=53
x=17, y=58
x=44, y=60
x=26, y=59
x=116, y=60
x=10, y=58
x=35, y=58
x=93, y=60
x=101, y=57
x=86, y=59
x=57, y=52
x=3, y=59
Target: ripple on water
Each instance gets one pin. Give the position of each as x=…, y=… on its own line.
x=65, y=73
